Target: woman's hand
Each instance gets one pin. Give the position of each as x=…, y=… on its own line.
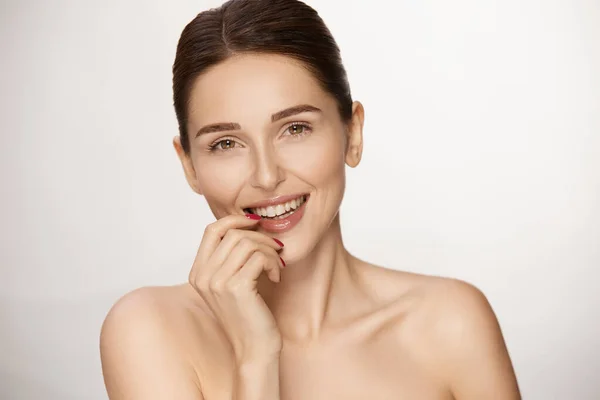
x=230, y=259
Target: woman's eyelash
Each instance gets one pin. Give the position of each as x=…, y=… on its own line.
x=215, y=145
x=304, y=125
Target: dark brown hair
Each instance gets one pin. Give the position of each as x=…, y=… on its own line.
x=285, y=27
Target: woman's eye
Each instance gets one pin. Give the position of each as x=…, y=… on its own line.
x=298, y=129
x=295, y=129
x=225, y=144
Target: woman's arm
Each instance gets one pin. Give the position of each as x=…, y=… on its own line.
x=257, y=380
x=475, y=359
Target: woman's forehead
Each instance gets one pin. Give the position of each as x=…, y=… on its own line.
x=254, y=85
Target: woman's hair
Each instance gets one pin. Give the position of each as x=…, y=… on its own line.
x=285, y=27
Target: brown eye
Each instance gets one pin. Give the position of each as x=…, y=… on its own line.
x=296, y=129
x=226, y=144
x=223, y=145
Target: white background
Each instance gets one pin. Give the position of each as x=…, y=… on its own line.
x=481, y=162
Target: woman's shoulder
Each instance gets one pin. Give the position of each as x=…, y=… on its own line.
x=445, y=306
x=448, y=324
x=152, y=304
x=449, y=309
x=153, y=331
x=168, y=310
x=430, y=294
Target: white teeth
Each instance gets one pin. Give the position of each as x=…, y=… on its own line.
x=279, y=209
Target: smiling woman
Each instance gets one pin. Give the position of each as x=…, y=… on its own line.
x=275, y=306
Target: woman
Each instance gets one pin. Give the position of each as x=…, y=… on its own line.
x=276, y=307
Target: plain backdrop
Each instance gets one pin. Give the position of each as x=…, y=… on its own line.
x=481, y=162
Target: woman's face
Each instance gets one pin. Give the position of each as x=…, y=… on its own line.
x=262, y=129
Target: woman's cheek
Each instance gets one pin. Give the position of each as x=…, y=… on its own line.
x=220, y=176
x=317, y=154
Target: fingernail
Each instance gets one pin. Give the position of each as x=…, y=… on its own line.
x=278, y=242
x=253, y=216
x=283, y=262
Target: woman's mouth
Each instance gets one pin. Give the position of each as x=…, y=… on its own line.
x=279, y=211
x=282, y=217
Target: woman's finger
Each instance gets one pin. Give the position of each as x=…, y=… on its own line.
x=212, y=237
x=237, y=259
x=258, y=263
x=231, y=240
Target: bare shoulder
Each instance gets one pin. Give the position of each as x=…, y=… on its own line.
x=145, y=345
x=167, y=309
x=451, y=305
x=443, y=303
x=453, y=330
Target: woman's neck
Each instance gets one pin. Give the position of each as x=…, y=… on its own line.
x=313, y=291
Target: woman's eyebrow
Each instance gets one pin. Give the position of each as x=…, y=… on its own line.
x=293, y=111
x=233, y=126
x=219, y=127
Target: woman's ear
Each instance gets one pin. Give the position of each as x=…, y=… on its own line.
x=186, y=163
x=354, y=146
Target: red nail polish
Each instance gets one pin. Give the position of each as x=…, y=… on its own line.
x=278, y=242
x=283, y=262
x=253, y=216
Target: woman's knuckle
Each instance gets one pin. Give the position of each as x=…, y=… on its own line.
x=261, y=257
x=269, y=251
x=216, y=286
x=201, y=284
x=212, y=229
x=233, y=286
x=247, y=243
x=233, y=234
x=239, y=289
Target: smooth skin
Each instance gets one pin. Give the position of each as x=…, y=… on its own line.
x=327, y=325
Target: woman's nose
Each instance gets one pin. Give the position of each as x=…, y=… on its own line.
x=267, y=174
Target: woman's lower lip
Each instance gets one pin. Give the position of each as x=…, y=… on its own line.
x=284, y=224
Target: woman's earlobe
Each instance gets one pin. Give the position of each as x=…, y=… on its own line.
x=353, y=156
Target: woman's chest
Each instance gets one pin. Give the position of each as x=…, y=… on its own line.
x=356, y=372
